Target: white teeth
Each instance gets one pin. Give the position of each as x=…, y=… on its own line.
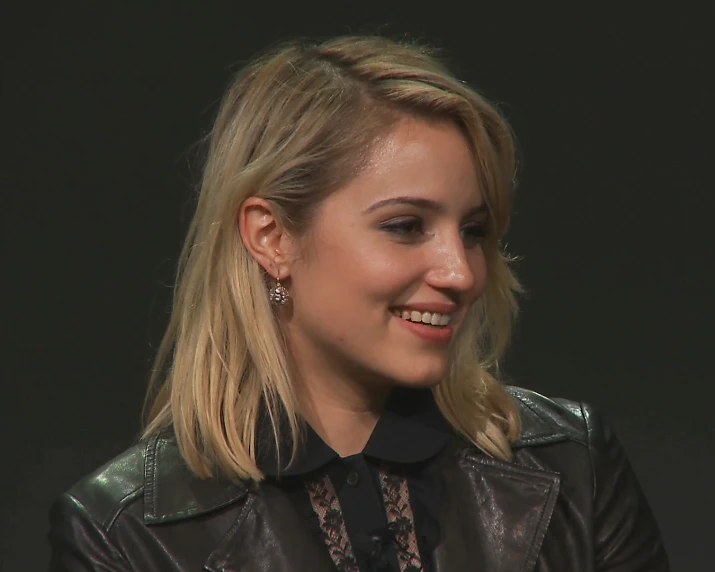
x=432, y=318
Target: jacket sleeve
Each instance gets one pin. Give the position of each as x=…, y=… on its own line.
x=627, y=538
x=78, y=543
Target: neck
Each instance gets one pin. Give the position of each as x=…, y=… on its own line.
x=343, y=414
x=340, y=403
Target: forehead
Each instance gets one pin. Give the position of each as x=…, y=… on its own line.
x=418, y=158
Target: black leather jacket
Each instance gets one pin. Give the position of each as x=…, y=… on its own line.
x=568, y=501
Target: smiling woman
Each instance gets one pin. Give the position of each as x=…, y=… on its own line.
x=327, y=395
x=374, y=249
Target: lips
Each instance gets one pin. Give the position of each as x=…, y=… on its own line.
x=439, y=335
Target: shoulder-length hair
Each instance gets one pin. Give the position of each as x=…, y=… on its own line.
x=294, y=126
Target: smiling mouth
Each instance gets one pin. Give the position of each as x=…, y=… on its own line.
x=434, y=319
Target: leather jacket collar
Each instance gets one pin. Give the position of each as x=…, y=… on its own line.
x=183, y=495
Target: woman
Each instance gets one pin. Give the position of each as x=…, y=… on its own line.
x=327, y=393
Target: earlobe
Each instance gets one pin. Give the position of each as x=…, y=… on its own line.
x=261, y=232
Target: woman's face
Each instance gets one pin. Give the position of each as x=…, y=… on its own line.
x=401, y=242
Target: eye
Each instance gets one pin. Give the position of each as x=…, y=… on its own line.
x=473, y=234
x=406, y=227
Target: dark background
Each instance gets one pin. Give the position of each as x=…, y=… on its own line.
x=613, y=108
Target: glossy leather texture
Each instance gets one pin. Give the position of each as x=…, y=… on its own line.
x=567, y=502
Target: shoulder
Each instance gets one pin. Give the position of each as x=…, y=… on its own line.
x=151, y=480
x=111, y=488
x=549, y=420
x=593, y=472
x=105, y=520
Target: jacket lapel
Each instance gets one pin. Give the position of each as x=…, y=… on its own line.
x=269, y=535
x=173, y=493
x=495, y=515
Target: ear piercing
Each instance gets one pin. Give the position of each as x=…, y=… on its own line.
x=278, y=295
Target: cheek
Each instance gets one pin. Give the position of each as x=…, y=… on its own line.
x=385, y=280
x=347, y=281
x=374, y=273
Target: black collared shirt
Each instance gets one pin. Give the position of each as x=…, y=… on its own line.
x=377, y=510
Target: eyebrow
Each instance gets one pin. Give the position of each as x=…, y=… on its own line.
x=420, y=203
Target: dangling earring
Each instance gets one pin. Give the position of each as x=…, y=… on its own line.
x=278, y=295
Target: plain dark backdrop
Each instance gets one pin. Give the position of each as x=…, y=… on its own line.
x=613, y=108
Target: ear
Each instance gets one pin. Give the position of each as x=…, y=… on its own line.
x=264, y=236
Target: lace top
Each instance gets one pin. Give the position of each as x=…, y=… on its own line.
x=377, y=511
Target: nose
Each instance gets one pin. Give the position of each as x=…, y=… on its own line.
x=454, y=267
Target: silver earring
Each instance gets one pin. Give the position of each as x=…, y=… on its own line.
x=278, y=295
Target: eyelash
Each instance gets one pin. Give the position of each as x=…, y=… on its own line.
x=405, y=228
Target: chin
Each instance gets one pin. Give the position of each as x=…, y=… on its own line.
x=423, y=379
x=408, y=372
x=421, y=383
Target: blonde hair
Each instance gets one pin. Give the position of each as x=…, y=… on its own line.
x=295, y=125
